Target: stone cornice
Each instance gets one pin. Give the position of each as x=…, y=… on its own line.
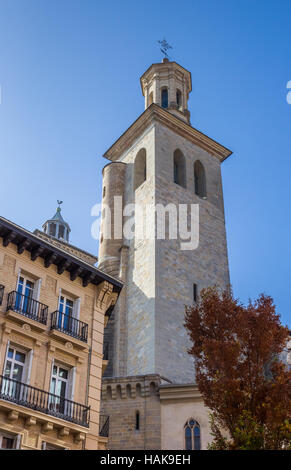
x=162, y=66
x=155, y=113
x=179, y=391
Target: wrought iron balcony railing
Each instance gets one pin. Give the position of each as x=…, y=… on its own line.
x=104, y=426
x=69, y=325
x=17, y=392
x=1, y=293
x=27, y=306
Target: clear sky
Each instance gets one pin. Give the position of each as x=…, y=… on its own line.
x=69, y=75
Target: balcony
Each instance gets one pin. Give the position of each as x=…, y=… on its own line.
x=17, y=392
x=69, y=325
x=104, y=426
x=1, y=293
x=28, y=307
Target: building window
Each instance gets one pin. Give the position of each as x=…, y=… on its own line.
x=179, y=98
x=25, y=286
x=66, y=308
x=137, y=420
x=61, y=232
x=199, y=179
x=195, y=292
x=52, y=230
x=15, y=364
x=49, y=446
x=140, y=168
x=9, y=441
x=164, y=97
x=104, y=191
x=192, y=435
x=16, y=373
x=59, y=388
x=179, y=169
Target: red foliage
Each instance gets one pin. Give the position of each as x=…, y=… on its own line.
x=236, y=350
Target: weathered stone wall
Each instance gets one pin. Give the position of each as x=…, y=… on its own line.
x=180, y=403
x=160, y=276
x=122, y=397
x=176, y=269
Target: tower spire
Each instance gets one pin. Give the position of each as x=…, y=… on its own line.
x=56, y=226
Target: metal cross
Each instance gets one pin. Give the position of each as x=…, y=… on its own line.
x=164, y=47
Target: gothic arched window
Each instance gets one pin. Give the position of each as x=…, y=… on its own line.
x=140, y=168
x=179, y=168
x=164, y=97
x=199, y=179
x=192, y=435
x=179, y=98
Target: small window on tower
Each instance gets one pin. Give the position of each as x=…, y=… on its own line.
x=179, y=98
x=104, y=191
x=137, y=423
x=61, y=231
x=140, y=168
x=52, y=230
x=164, y=97
x=179, y=168
x=195, y=292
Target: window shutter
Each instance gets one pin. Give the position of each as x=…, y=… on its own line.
x=77, y=305
x=6, y=354
x=60, y=293
x=28, y=364
x=71, y=384
x=17, y=443
x=52, y=368
x=18, y=276
x=36, y=291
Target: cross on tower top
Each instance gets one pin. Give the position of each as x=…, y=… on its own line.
x=164, y=46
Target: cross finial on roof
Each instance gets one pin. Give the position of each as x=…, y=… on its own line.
x=164, y=47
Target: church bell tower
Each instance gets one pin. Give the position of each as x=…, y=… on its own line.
x=160, y=160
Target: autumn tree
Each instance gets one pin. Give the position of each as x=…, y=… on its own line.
x=239, y=372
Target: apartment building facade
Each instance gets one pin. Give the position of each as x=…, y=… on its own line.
x=54, y=304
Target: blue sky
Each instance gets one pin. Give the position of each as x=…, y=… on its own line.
x=69, y=74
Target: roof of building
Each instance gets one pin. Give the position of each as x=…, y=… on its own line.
x=38, y=247
x=64, y=245
x=155, y=113
x=58, y=218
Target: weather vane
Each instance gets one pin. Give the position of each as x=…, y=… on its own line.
x=59, y=203
x=164, y=47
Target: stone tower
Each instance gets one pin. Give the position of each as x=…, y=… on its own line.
x=159, y=160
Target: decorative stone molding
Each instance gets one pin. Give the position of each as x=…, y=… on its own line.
x=79, y=437
x=26, y=327
x=47, y=427
x=64, y=432
x=6, y=329
x=105, y=297
x=12, y=416
x=30, y=421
